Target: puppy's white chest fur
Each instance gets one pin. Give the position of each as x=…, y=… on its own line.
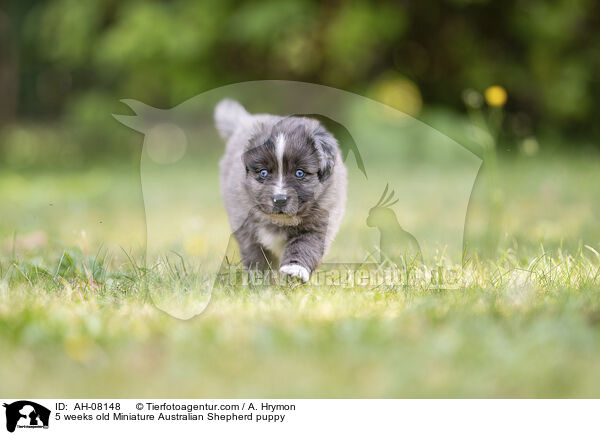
x=274, y=241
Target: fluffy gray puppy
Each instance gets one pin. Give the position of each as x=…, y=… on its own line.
x=283, y=182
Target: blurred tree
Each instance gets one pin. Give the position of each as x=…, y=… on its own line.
x=73, y=60
x=9, y=78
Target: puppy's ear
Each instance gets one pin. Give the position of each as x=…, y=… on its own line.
x=259, y=133
x=326, y=146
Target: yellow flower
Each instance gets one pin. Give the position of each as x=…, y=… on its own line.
x=399, y=93
x=495, y=96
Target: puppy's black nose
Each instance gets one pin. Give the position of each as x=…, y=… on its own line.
x=279, y=200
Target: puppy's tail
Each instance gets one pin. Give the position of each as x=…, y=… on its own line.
x=229, y=114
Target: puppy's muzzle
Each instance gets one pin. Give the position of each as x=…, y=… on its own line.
x=279, y=202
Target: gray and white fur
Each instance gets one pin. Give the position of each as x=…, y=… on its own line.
x=283, y=182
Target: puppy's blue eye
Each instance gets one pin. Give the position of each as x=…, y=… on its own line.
x=263, y=173
x=299, y=173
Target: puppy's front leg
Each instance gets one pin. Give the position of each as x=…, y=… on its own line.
x=254, y=257
x=302, y=255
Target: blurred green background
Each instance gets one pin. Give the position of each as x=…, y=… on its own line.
x=64, y=64
x=517, y=81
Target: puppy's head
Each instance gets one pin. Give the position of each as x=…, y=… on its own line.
x=288, y=166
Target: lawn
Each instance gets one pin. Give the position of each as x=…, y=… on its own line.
x=77, y=318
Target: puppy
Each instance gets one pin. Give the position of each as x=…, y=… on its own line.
x=283, y=182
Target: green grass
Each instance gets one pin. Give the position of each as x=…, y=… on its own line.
x=77, y=320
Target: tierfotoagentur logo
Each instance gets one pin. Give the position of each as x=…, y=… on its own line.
x=24, y=414
x=405, y=201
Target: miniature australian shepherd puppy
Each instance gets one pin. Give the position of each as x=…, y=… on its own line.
x=283, y=182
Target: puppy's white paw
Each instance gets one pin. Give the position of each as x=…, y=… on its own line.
x=295, y=270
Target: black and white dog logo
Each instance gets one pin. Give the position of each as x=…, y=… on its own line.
x=26, y=414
